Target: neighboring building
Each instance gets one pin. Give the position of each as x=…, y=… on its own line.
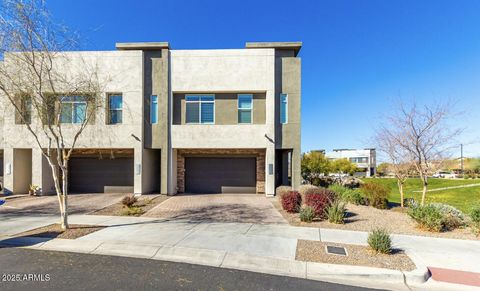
x=366, y=159
x=197, y=121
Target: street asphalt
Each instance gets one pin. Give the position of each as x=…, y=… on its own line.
x=41, y=270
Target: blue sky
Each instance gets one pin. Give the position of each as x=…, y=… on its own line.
x=358, y=57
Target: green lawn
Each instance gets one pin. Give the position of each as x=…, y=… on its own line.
x=461, y=198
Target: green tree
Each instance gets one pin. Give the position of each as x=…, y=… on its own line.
x=343, y=166
x=382, y=169
x=314, y=164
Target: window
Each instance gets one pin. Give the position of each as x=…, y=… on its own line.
x=154, y=109
x=25, y=116
x=283, y=108
x=245, y=105
x=73, y=109
x=359, y=160
x=200, y=109
x=115, y=108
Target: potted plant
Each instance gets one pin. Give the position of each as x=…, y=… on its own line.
x=32, y=190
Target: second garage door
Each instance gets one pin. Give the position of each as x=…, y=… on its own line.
x=209, y=175
x=93, y=175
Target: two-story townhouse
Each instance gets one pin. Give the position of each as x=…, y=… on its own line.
x=194, y=121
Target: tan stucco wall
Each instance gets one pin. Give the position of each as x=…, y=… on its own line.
x=226, y=108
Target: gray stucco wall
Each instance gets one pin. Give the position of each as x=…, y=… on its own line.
x=226, y=108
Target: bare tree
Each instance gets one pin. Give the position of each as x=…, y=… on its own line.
x=420, y=135
x=54, y=93
x=399, y=160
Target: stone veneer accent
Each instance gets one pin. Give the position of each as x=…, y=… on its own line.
x=258, y=153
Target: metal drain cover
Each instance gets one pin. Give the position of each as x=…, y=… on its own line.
x=341, y=251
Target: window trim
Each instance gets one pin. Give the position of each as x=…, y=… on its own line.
x=245, y=109
x=286, y=107
x=109, y=109
x=200, y=107
x=151, y=111
x=73, y=102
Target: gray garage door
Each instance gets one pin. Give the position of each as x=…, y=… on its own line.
x=91, y=175
x=209, y=175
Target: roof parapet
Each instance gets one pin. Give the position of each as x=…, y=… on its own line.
x=123, y=46
x=292, y=45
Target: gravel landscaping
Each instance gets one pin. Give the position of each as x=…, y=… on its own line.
x=144, y=203
x=314, y=251
x=56, y=231
x=365, y=218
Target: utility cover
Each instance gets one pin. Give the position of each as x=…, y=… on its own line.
x=341, y=251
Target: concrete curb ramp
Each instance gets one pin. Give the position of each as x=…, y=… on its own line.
x=231, y=260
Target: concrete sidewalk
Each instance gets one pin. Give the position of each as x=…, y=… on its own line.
x=255, y=247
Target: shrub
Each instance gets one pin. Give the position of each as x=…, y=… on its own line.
x=307, y=214
x=336, y=212
x=129, y=200
x=453, y=218
x=133, y=211
x=379, y=240
x=291, y=201
x=475, y=218
x=307, y=189
x=349, y=195
x=428, y=217
x=375, y=194
x=281, y=190
x=320, y=200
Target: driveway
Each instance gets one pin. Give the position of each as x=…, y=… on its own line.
x=48, y=205
x=239, y=208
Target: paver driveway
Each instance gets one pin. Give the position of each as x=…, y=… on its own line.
x=243, y=208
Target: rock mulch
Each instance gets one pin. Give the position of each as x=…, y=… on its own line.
x=145, y=202
x=56, y=231
x=366, y=218
x=314, y=251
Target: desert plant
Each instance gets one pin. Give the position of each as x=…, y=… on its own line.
x=291, y=201
x=347, y=194
x=453, y=218
x=307, y=214
x=129, y=200
x=338, y=189
x=379, y=241
x=428, y=217
x=375, y=194
x=281, y=190
x=335, y=213
x=133, y=211
x=307, y=189
x=320, y=200
x=475, y=218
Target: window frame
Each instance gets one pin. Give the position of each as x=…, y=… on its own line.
x=72, y=104
x=109, y=111
x=245, y=109
x=199, y=102
x=286, y=108
x=153, y=111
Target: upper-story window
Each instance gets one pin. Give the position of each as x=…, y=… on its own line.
x=283, y=108
x=153, y=109
x=200, y=109
x=25, y=114
x=359, y=160
x=115, y=108
x=73, y=109
x=245, y=106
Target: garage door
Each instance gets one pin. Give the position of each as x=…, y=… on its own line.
x=210, y=175
x=91, y=175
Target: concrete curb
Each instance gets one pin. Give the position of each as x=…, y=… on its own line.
x=230, y=260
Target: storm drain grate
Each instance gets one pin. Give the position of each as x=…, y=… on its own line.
x=341, y=251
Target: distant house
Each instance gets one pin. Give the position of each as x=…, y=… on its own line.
x=365, y=159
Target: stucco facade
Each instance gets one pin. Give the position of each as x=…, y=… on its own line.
x=156, y=150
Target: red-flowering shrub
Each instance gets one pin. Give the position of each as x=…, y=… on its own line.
x=320, y=200
x=291, y=201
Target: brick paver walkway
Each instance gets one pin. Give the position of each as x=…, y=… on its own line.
x=247, y=208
